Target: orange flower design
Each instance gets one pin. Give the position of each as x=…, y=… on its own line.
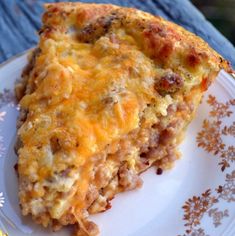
x=229, y=130
x=195, y=208
x=219, y=110
x=210, y=139
x=227, y=192
x=217, y=215
x=227, y=156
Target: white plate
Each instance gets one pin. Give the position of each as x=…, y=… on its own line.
x=156, y=209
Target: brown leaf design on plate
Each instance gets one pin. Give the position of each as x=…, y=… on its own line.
x=229, y=130
x=209, y=138
x=198, y=232
x=219, y=109
x=195, y=232
x=227, y=191
x=217, y=215
x=232, y=102
x=227, y=156
x=195, y=207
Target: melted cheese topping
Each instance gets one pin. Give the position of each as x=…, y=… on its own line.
x=107, y=85
x=102, y=74
x=85, y=97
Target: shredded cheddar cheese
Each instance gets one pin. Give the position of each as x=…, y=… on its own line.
x=107, y=94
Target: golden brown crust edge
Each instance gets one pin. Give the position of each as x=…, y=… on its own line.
x=161, y=37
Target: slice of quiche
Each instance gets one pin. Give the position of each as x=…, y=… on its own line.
x=108, y=93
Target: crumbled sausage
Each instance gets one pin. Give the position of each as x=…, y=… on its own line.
x=170, y=131
x=153, y=139
x=103, y=175
x=95, y=30
x=92, y=195
x=169, y=83
x=155, y=152
x=128, y=179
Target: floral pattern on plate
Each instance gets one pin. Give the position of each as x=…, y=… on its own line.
x=211, y=140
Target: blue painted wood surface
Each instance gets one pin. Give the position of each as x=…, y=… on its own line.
x=20, y=20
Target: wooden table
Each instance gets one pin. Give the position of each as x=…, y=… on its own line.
x=20, y=20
